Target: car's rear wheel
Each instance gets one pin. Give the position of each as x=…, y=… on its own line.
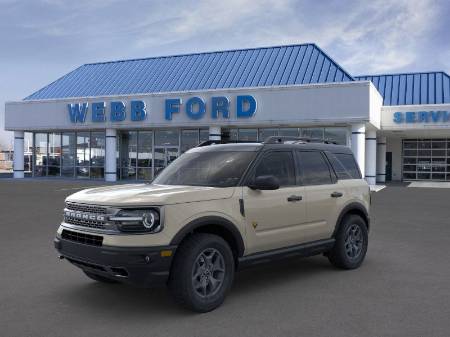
x=202, y=272
x=350, y=247
x=99, y=278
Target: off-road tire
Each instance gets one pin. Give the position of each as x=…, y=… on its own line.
x=340, y=254
x=186, y=262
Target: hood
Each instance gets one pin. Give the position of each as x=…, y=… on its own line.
x=146, y=194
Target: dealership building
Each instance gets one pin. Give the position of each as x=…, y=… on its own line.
x=127, y=120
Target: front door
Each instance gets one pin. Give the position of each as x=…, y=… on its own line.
x=274, y=217
x=164, y=155
x=388, y=166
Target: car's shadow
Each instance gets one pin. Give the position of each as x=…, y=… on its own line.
x=136, y=303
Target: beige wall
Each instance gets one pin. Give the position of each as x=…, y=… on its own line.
x=394, y=145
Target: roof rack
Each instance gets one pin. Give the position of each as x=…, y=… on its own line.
x=271, y=140
x=296, y=140
x=222, y=141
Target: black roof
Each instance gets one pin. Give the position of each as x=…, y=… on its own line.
x=258, y=146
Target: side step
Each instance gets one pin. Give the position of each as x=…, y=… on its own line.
x=303, y=250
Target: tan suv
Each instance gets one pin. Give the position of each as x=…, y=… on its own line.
x=218, y=208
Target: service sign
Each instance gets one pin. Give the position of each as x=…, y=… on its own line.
x=425, y=117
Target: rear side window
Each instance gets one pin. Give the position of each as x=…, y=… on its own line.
x=313, y=168
x=344, y=165
x=278, y=164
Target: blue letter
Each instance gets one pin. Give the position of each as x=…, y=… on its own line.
x=435, y=116
x=410, y=117
x=423, y=116
x=190, y=108
x=138, y=112
x=220, y=106
x=245, y=106
x=445, y=116
x=398, y=117
x=77, y=113
x=98, y=112
x=117, y=111
x=172, y=106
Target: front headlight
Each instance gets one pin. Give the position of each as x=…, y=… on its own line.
x=138, y=220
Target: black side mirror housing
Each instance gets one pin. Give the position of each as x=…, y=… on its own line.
x=267, y=182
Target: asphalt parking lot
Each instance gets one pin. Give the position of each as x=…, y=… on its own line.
x=402, y=289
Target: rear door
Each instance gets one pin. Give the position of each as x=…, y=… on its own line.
x=274, y=218
x=324, y=194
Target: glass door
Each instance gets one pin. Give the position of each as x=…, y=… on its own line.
x=164, y=155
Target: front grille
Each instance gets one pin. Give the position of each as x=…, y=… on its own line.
x=87, y=239
x=85, y=223
x=85, y=215
x=85, y=208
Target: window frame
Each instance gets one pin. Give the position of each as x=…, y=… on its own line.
x=348, y=172
x=333, y=177
x=250, y=174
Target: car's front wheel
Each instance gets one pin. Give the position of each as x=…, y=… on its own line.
x=202, y=272
x=350, y=247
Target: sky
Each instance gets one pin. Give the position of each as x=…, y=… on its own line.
x=41, y=40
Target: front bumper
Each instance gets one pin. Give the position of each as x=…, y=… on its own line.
x=138, y=266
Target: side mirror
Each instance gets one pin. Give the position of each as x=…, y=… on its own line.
x=265, y=183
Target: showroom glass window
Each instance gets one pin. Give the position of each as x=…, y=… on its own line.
x=97, y=143
x=83, y=155
x=128, y=154
x=291, y=132
x=266, y=133
x=189, y=139
x=145, y=155
x=40, y=154
x=337, y=134
x=54, y=154
x=250, y=135
x=68, y=155
x=204, y=135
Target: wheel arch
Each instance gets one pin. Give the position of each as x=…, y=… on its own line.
x=214, y=225
x=352, y=208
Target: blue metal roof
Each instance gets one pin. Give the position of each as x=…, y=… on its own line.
x=257, y=67
x=412, y=88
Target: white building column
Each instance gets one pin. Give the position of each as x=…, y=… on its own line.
x=381, y=160
x=371, y=157
x=110, y=155
x=215, y=133
x=18, y=166
x=358, y=145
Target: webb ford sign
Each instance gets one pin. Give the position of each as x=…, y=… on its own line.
x=194, y=108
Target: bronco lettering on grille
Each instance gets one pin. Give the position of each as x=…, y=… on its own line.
x=84, y=216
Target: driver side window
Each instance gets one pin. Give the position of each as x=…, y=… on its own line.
x=278, y=164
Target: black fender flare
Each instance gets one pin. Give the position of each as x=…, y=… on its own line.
x=354, y=207
x=218, y=221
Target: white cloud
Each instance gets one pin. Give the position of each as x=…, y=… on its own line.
x=365, y=37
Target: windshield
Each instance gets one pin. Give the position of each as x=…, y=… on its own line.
x=215, y=169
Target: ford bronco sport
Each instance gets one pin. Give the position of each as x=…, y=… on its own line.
x=218, y=208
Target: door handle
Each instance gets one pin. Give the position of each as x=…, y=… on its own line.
x=336, y=194
x=294, y=198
